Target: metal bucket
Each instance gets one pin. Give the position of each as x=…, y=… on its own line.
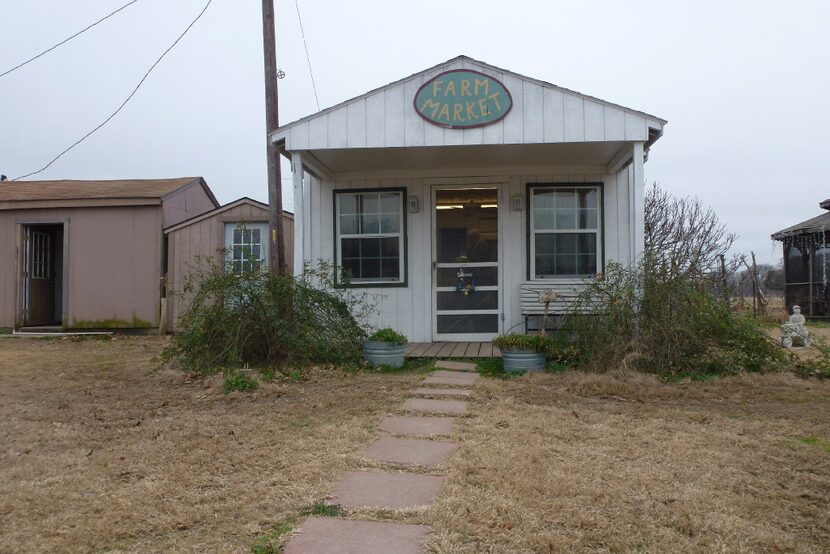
x=380, y=353
x=523, y=360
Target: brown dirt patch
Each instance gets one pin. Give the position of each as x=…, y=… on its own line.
x=100, y=455
x=621, y=462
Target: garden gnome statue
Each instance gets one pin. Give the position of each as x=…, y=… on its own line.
x=794, y=332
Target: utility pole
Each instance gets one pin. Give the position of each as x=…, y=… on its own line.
x=276, y=250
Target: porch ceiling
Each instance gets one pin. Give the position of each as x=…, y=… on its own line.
x=467, y=156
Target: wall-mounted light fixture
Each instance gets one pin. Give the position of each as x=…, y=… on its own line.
x=517, y=201
x=414, y=204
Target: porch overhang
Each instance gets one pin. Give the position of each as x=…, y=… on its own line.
x=595, y=157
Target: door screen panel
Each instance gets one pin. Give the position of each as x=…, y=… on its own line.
x=467, y=266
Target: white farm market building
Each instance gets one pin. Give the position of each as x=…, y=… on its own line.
x=454, y=195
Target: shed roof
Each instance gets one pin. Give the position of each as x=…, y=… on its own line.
x=220, y=209
x=815, y=225
x=27, y=191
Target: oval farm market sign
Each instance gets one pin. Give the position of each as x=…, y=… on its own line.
x=461, y=99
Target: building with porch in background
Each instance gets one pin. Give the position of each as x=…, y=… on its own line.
x=456, y=195
x=807, y=264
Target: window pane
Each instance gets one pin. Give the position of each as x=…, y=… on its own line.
x=545, y=265
x=370, y=203
x=255, y=236
x=237, y=252
x=586, y=264
x=237, y=236
x=390, y=223
x=369, y=248
x=586, y=243
x=390, y=268
x=351, y=267
x=565, y=264
x=255, y=251
x=389, y=247
x=347, y=203
x=350, y=248
x=543, y=198
x=566, y=198
x=587, y=197
x=348, y=224
x=390, y=202
x=565, y=219
x=237, y=267
x=588, y=218
x=565, y=244
x=370, y=268
x=543, y=219
x=369, y=224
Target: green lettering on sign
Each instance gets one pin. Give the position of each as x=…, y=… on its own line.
x=460, y=99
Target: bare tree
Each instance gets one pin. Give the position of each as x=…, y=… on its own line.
x=682, y=235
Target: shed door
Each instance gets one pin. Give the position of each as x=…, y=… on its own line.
x=466, y=272
x=40, y=280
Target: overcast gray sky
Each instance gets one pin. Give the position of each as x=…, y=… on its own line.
x=744, y=85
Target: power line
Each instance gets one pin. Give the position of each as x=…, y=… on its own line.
x=124, y=103
x=64, y=41
x=307, y=57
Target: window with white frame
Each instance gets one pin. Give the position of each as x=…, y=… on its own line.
x=246, y=246
x=370, y=230
x=565, y=231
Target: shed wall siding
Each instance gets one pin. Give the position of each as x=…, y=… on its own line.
x=113, y=265
x=387, y=118
x=408, y=309
x=186, y=203
x=204, y=239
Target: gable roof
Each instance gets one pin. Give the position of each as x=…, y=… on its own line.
x=23, y=191
x=627, y=123
x=221, y=209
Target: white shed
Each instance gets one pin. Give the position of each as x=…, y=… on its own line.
x=457, y=193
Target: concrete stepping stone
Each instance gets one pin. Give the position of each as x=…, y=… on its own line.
x=386, y=490
x=458, y=366
x=426, y=391
x=421, y=452
x=418, y=425
x=433, y=406
x=455, y=378
x=324, y=535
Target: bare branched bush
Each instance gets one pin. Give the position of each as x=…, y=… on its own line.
x=682, y=235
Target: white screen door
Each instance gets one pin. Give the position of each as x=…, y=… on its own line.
x=466, y=274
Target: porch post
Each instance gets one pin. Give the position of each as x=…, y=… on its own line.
x=299, y=211
x=636, y=195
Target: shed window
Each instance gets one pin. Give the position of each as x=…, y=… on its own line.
x=565, y=231
x=246, y=247
x=370, y=235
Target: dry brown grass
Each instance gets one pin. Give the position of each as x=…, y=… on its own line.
x=99, y=455
x=621, y=462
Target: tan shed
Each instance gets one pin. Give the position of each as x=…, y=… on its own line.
x=89, y=254
x=234, y=235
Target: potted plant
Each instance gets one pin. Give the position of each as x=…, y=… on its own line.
x=523, y=352
x=385, y=347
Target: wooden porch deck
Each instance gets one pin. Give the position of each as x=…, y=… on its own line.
x=451, y=350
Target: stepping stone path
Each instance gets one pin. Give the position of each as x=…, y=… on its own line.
x=391, y=490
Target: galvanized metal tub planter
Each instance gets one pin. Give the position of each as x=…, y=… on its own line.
x=380, y=353
x=523, y=360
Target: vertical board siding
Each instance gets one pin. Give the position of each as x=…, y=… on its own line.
x=356, y=124
x=540, y=113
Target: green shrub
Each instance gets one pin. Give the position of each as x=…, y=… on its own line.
x=240, y=382
x=388, y=335
x=665, y=323
x=262, y=319
x=533, y=343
